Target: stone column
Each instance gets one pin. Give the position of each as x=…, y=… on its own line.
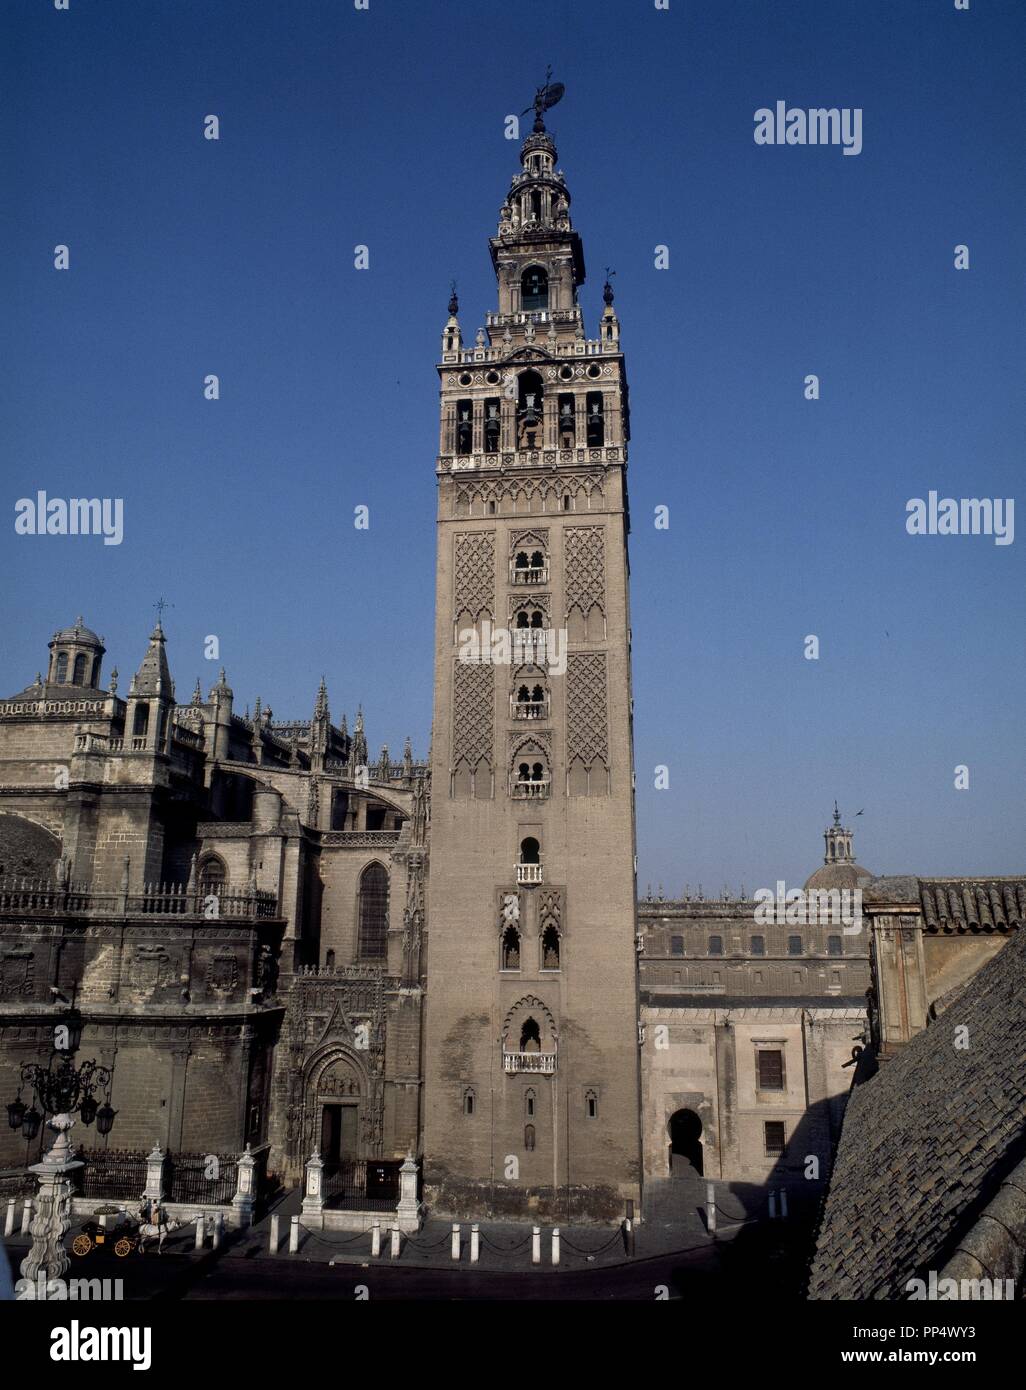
x=52, y=1215
x=154, y=1190
x=408, y=1211
x=245, y=1189
x=313, y=1200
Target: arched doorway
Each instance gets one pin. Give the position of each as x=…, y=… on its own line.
x=685, y=1143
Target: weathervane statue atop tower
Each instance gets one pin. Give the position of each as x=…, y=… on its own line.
x=544, y=97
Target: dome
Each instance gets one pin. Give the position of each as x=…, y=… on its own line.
x=79, y=633
x=849, y=875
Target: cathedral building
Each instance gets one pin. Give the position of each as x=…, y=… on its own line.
x=233, y=905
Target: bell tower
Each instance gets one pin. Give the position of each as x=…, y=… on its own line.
x=531, y=1038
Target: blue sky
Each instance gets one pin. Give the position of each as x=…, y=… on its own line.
x=385, y=128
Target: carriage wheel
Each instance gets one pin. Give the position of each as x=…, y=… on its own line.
x=123, y=1247
x=81, y=1245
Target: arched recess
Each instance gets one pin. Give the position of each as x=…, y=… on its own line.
x=528, y=1011
x=686, y=1151
x=27, y=849
x=211, y=875
x=339, y=1100
x=529, y=769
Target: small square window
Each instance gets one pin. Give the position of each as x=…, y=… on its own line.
x=676, y=945
x=775, y=1138
x=758, y=945
x=794, y=945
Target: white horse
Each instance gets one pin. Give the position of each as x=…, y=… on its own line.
x=159, y=1229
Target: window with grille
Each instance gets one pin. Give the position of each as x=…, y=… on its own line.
x=775, y=1138
x=373, y=912
x=771, y=1069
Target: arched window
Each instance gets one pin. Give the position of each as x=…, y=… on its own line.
x=329, y=960
x=529, y=1099
x=529, y=1137
x=716, y=945
x=591, y=1104
x=534, y=288
x=529, y=847
x=511, y=949
x=212, y=876
x=373, y=912
x=62, y=668
x=530, y=1036
x=141, y=722
x=550, y=948
x=96, y=671
x=78, y=674
x=468, y=1101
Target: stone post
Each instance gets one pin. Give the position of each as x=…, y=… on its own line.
x=9, y=1220
x=408, y=1211
x=455, y=1246
x=555, y=1245
x=376, y=1238
x=201, y=1230
x=154, y=1189
x=394, y=1251
x=475, y=1243
x=294, y=1236
x=536, y=1245
x=245, y=1189
x=26, y=1215
x=275, y=1237
x=710, y=1207
x=313, y=1199
x=53, y=1207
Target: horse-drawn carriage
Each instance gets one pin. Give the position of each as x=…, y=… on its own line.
x=127, y=1234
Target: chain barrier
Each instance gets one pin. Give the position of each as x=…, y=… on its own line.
x=333, y=1244
x=565, y=1242
x=506, y=1250
x=429, y=1245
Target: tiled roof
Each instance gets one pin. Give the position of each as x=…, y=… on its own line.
x=973, y=904
x=927, y=1141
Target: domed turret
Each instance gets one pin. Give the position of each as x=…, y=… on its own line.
x=839, y=869
x=75, y=657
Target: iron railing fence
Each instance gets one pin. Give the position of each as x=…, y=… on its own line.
x=362, y=1184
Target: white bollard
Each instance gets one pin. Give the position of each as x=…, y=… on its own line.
x=394, y=1252
x=26, y=1216
x=201, y=1231
x=9, y=1219
x=783, y=1203
x=773, y=1205
x=294, y=1236
x=475, y=1244
x=218, y=1230
x=555, y=1245
x=710, y=1207
x=376, y=1238
x=275, y=1233
x=536, y=1245
x=455, y=1251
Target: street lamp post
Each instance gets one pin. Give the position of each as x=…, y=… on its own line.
x=59, y=1089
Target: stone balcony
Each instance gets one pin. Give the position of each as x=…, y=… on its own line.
x=529, y=874
x=543, y=1063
